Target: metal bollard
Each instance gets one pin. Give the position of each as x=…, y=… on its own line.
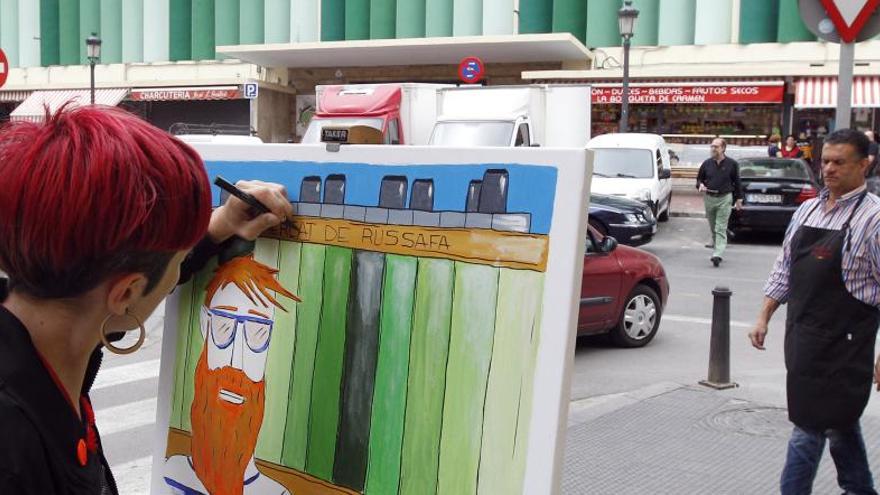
x=719, y=345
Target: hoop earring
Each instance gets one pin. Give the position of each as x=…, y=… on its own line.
x=120, y=350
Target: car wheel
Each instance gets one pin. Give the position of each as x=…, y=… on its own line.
x=640, y=318
x=599, y=226
x=664, y=217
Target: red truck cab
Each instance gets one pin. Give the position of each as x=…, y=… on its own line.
x=374, y=105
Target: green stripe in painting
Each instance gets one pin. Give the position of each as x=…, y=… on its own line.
x=196, y=341
x=570, y=16
x=392, y=368
x=429, y=349
x=510, y=388
x=332, y=20
x=791, y=27
x=203, y=30
x=677, y=19
x=180, y=30
x=186, y=306
x=470, y=352
x=382, y=19
x=279, y=362
x=50, y=53
x=324, y=415
x=89, y=22
x=111, y=31
x=411, y=18
x=252, y=22
x=358, y=379
x=647, y=25
x=68, y=33
x=758, y=21
x=535, y=16
x=296, y=433
x=603, y=31
x=226, y=22
x=357, y=19
x=468, y=17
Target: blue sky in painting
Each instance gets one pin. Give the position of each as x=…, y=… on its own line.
x=531, y=188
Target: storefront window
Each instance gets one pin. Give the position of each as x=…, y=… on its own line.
x=747, y=125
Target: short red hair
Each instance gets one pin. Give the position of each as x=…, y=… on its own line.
x=254, y=279
x=92, y=192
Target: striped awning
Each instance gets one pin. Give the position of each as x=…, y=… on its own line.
x=34, y=107
x=11, y=96
x=821, y=92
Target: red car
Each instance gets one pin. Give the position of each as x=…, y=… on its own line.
x=623, y=292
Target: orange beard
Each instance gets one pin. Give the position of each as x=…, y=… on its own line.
x=224, y=435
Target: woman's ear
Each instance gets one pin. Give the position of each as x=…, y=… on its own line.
x=124, y=291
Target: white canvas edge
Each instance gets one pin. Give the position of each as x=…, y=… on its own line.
x=542, y=447
x=166, y=382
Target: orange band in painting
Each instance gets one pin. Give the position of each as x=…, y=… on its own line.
x=296, y=482
x=479, y=246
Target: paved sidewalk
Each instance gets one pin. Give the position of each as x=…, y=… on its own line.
x=676, y=439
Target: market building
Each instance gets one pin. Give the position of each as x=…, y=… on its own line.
x=699, y=68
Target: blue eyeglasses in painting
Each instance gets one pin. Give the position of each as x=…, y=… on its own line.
x=257, y=330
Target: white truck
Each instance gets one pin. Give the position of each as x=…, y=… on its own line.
x=403, y=112
x=530, y=115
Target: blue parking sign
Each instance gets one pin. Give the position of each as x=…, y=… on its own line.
x=251, y=90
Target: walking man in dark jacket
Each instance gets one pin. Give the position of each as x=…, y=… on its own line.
x=718, y=179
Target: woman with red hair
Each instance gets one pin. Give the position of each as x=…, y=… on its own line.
x=100, y=215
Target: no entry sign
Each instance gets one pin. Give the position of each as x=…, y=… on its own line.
x=471, y=70
x=4, y=68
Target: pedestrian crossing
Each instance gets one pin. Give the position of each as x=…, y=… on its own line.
x=128, y=426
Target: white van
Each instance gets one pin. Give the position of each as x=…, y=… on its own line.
x=636, y=166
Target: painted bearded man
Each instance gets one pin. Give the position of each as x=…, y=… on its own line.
x=228, y=405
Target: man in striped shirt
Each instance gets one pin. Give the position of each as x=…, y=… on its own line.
x=828, y=273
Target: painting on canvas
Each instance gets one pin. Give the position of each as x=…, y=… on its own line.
x=410, y=334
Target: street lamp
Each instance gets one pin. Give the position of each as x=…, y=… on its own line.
x=93, y=47
x=626, y=22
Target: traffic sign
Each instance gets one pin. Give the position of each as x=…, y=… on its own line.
x=4, y=68
x=818, y=21
x=251, y=90
x=471, y=70
x=849, y=16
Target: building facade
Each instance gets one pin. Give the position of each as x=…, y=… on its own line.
x=173, y=45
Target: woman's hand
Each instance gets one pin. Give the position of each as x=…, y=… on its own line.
x=236, y=217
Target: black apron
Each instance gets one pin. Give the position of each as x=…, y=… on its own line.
x=829, y=334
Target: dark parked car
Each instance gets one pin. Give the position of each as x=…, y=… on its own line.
x=623, y=292
x=629, y=221
x=773, y=188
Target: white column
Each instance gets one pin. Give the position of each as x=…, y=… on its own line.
x=498, y=17
x=132, y=30
x=277, y=21
x=29, y=34
x=156, y=34
x=305, y=20
x=9, y=30
x=712, y=22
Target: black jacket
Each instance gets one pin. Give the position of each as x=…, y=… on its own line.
x=721, y=177
x=39, y=429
